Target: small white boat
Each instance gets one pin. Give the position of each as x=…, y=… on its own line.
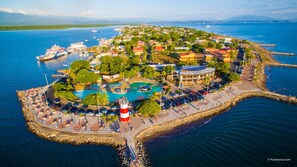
x=207, y=26
x=86, y=40
x=93, y=31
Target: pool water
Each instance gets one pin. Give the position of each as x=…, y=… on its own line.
x=132, y=93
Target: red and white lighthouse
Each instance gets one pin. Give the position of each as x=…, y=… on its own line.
x=124, y=111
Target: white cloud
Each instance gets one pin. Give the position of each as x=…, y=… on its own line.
x=88, y=13
x=10, y=10
x=26, y=12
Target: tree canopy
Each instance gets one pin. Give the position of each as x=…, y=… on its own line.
x=149, y=72
x=113, y=65
x=169, y=69
x=95, y=99
x=86, y=77
x=233, y=77
x=61, y=86
x=149, y=108
x=80, y=64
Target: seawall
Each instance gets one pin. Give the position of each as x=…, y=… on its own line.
x=155, y=130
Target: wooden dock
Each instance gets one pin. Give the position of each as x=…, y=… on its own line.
x=283, y=53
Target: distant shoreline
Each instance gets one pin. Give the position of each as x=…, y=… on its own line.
x=54, y=27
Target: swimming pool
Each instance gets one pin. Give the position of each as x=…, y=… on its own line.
x=132, y=94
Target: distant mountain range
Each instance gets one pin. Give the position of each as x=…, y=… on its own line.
x=12, y=19
x=250, y=18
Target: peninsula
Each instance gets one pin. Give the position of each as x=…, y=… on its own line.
x=146, y=81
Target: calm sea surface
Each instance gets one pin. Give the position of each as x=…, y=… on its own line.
x=248, y=134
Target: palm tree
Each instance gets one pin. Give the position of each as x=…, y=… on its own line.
x=206, y=81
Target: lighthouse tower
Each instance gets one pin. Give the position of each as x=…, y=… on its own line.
x=124, y=111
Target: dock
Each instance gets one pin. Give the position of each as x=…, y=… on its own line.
x=268, y=45
x=57, y=75
x=282, y=53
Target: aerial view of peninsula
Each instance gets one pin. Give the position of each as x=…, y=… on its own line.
x=148, y=83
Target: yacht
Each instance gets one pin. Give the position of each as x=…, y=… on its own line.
x=77, y=47
x=53, y=53
x=93, y=31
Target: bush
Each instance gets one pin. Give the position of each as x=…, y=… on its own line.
x=149, y=108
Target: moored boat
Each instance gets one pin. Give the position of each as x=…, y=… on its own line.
x=53, y=53
x=77, y=47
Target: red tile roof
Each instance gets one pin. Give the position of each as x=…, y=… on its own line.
x=159, y=48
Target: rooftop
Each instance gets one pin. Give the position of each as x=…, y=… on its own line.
x=196, y=70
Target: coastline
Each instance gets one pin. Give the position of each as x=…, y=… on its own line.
x=166, y=127
x=116, y=140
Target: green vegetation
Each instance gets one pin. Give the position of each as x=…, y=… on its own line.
x=149, y=72
x=86, y=77
x=63, y=90
x=44, y=27
x=149, y=108
x=66, y=94
x=61, y=86
x=168, y=70
x=233, y=77
x=113, y=65
x=95, y=99
x=80, y=64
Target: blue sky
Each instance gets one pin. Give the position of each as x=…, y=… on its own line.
x=154, y=9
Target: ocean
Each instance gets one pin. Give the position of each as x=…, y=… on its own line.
x=246, y=135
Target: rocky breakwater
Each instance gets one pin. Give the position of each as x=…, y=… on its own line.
x=156, y=130
x=113, y=140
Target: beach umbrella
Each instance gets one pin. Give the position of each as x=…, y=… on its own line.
x=81, y=111
x=74, y=109
x=104, y=110
x=57, y=101
x=75, y=104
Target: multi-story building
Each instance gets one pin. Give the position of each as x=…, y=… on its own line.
x=193, y=75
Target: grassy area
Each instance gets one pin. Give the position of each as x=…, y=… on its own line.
x=45, y=27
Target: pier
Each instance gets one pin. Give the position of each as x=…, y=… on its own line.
x=283, y=65
x=268, y=45
x=282, y=53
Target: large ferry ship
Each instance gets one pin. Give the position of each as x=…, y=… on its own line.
x=77, y=47
x=54, y=52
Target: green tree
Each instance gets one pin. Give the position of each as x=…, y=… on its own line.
x=135, y=59
x=149, y=108
x=169, y=69
x=80, y=64
x=96, y=99
x=61, y=86
x=233, y=77
x=148, y=72
x=69, y=95
x=206, y=81
x=86, y=77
